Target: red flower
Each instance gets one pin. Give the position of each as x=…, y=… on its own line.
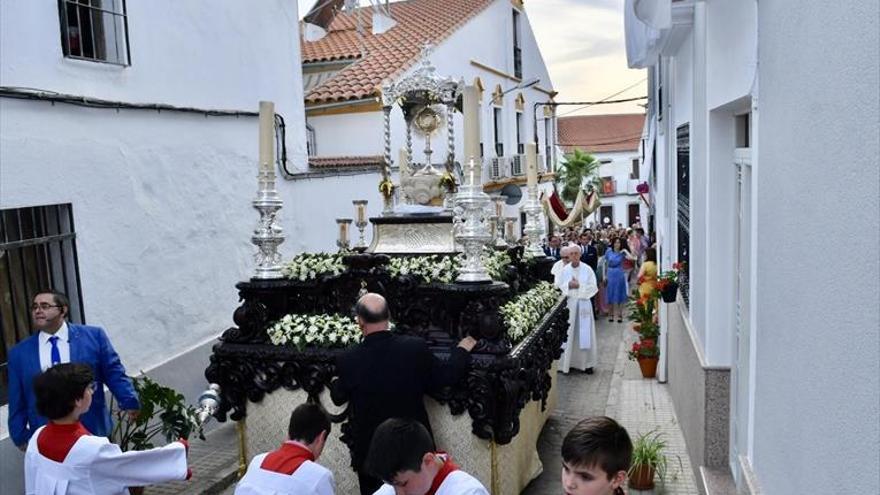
x=676, y=266
x=648, y=343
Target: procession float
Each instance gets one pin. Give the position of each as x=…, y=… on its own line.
x=446, y=262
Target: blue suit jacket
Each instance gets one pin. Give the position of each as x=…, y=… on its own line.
x=88, y=345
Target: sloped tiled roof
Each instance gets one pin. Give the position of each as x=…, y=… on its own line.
x=325, y=162
x=387, y=54
x=601, y=133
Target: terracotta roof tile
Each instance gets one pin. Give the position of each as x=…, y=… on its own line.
x=324, y=162
x=601, y=133
x=387, y=54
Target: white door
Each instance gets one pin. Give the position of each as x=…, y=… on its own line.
x=740, y=385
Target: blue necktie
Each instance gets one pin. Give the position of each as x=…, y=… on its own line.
x=55, y=355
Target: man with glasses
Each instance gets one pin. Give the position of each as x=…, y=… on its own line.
x=54, y=342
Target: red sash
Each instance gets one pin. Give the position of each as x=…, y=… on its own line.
x=287, y=459
x=447, y=468
x=55, y=441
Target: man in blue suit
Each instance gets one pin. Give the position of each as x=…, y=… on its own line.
x=57, y=342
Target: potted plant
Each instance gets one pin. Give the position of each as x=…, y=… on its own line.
x=163, y=411
x=648, y=459
x=667, y=283
x=647, y=354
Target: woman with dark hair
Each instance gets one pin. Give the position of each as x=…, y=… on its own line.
x=616, y=290
x=648, y=273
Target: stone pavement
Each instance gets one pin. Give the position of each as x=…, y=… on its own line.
x=616, y=389
x=214, y=463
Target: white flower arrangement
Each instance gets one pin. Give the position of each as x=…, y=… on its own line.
x=526, y=310
x=308, y=266
x=496, y=263
x=304, y=331
x=431, y=268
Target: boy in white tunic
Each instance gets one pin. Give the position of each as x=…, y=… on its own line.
x=578, y=282
x=291, y=469
x=63, y=458
x=402, y=455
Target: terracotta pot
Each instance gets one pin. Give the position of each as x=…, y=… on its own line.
x=669, y=293
x=648, y=366
x=642, y=477
x=136, y=490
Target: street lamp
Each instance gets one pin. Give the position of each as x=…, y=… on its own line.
x=523, y=85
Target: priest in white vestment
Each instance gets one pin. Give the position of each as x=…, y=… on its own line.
x=578, y=282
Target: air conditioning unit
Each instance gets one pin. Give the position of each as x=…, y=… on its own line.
x=496, y=167
x=516, y=164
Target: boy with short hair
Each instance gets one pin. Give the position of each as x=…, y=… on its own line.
x=64, y=457
x=596, y=457
x=402, y=454
x=292, y=468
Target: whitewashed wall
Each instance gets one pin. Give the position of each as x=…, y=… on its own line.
x=817, y=404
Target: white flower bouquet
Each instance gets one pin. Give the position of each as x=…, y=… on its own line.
x=304, y=331
x=526, y=310
x=431, y=268
x=308, y=266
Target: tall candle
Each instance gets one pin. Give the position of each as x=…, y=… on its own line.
x=531, y=164
x=470, y=101
x=267, y=136
x=499, y=204
x=471, y=167
x=403, y=162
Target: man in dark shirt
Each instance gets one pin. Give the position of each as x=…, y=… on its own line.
x=386, y=376
x=589, y=255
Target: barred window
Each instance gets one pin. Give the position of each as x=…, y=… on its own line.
x=95, y=30
x=683, y=166
x=37, y=252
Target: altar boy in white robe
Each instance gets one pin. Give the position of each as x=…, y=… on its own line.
x=63, y=458
x=402, y=454
x=291, y=469
x=578, y=281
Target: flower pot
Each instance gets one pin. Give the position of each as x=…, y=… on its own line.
x=642, y=477
x=648, y=366
x=669, y=293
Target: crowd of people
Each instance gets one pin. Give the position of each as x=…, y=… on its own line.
x=595, y=268
x=58, y=416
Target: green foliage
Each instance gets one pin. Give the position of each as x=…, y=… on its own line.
x=648, y=450
x=578, y=169
x=163, y=410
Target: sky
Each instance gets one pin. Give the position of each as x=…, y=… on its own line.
x=582, y=43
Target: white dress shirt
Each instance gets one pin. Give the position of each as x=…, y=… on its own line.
x=46, y=347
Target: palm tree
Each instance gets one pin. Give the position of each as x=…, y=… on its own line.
x=579, y=169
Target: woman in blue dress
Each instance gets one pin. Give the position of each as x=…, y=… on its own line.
x=616, y=290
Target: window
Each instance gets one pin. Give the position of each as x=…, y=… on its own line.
x=311, y=144
x=517, y=50
x=520, y=147
x=683, y=155
x=609, y=187
x=499, y=144
x=95, y=30
x=635, y=169
x=37, y=251
x=742, y=131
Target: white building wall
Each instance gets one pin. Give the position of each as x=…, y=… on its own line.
x=816, y=428
x=161, y=201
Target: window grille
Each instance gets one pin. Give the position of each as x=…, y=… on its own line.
x=683, y=154
x=517, y=50
x=37, y=251
x=95, y=30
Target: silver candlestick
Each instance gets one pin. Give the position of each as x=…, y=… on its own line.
x=342, y=241
x=268, y=234
x=509, y=223
x=360, y=207
x=471, y=228
x=498, y=232
x=533, y=228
